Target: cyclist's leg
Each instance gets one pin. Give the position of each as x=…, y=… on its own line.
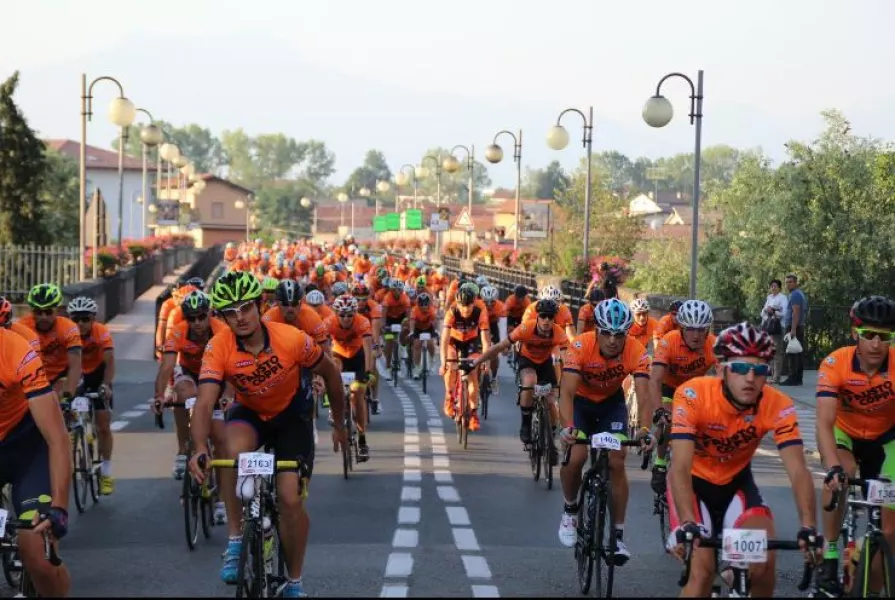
x=584, y=419
x=712, y=501
x=828, y=577
x=417, y=350
x=495, y=362
x=747, y=510
x=613, y=418
x=450, y=373
x=219, y=439
x=184, y=389
x=528, y=377
x=545, y=375
x=102, y=411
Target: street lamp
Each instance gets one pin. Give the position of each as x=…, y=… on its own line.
x=494, y=154
x=307, y=203
x=557, y=139
x=151, y=136
x=437, y=162
x=382, y=186
x=246, y=204
x=401, y=179
x=342, y=198
x=657, y=112
x=452, y=165
x=121, y=113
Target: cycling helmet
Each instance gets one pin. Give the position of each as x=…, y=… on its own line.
x=875, y=311
x=423, y=300
x=675, y=306
x=381, y=273
x=289, y=293
x=196, y=281
x=473, y=288
x=411, y=293
x=5, y=311
x=465, y=296
x=360, y=290
x=546, y=308
x=520, y=291
x=82, y=304
x=396, y=284
x=196, y=303
x=744, y=340
x=269, y=284
x=613, y=315
x=597, y=295
x=481, y=281
x=420, y=282
x=639, y=305
x=315, y=298
x=310, y=287
x=44, y=295
x=340, y=288
x=695, y=314
x=180, y=292
x=489, y=294
x=233, y=288
x=550, y=292
x=345, y=305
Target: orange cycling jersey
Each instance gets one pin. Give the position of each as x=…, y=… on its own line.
x=348, y=341
x=563, y=317
x=369, y=308
x=423, y=318
x=452, y=291
x=55, y=344
x=866, y=407
x=586, y=316
x=644, y=333
x=323, y=311
x=379, y=295
x=496, y=310
x=94, y=347
x=666, y=325
x=189, y=351
x=29, y=334
x=307, y=319
x=536, y=346
x=164, y=312
x=21, y=378
x=602, y=377
x=725, y=438
x=516, y=308
x=395, y=308
x=466, y=329
x=682, y=364
x=267, y=383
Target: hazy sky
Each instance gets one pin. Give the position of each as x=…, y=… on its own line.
x=402, y=76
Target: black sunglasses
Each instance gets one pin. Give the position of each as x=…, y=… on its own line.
x=195, y=318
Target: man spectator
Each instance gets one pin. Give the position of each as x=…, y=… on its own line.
x=794, y=327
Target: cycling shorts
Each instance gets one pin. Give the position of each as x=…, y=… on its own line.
x=667, y=394
x=389, y=321
x=544, y=371
x=355, y=364
x=467, y=349
x=91, y=383
x=875, y=458
x=513, y=322
x=720, y=506
x=608, y=416
x=495, y=333
x=25, y=465
x=430, y=330
x=181, y=375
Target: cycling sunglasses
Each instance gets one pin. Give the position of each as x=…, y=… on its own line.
x=81, y=318
x=195, y=318
x=743, y=368
x=241, y=309
x=868, y=334
x=613, y=334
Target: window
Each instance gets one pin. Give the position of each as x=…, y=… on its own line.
x=217, y=210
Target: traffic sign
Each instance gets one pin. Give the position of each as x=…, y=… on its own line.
x=379, y=224
x=413, y=219
x=392, y=222
x=463, y=221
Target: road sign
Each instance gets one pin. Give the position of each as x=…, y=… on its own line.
x=656, y=173
x=413, y=219
x=392, y=222
x=463, y=221
x=379, y=224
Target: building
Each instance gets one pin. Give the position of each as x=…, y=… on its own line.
x=102, y=175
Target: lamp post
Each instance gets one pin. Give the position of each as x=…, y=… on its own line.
x=307, y=203
x=342, y=198
x=382, y=186
x=557, y=139
x=452, y=165
x=246, y=204
x=437, y=161
x=401, y=179
x=122, y=113
x=151, y=136
x=657, y=112
x=494, y=154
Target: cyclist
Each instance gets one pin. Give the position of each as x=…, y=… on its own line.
x=497, y=314
x=538, y=341
x=339, y=288
x=422, y=320
x=586, y=312
x=563, y=317
x=515, y=307
x=175, y=299
x=353, y=353
x=263, y=361
x=668, y=322
x=268, y=293
x=644, y=326
x=370, y=309
x=181, y=361
x=6, y=322
x=717, y=426
x=856, y=420
x=317, y=301
x=592, y=401
x=35, y=458
x=465, y=331
x=60, y=341
x=684, y=353
x=98, y=366
x=396, y=305
x=289, y=309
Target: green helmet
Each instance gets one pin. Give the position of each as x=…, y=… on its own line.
x=471, y=287
x=44, y=295
x=196, y=303
x=381, y=273
x=270, y=284
x=420, y=282
x=233, y=288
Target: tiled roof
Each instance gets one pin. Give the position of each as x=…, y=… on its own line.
x=97, y=158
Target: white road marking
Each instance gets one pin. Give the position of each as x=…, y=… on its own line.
x=476, y=567
x=406, y=538
x=411, y=448
x=485, y=591
x=457, y=515
x=133, y=414
x=410, y=494
x=118, y=425
x=443, y=477
x=441, y=462
x=439, y=449
x=412, y=461
x=448, y=493
x=400, y=564
x=464, y=539
x=409, y=515
x=412, y=475
x=391, y=590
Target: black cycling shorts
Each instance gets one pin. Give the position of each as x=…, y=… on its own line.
x=495, y=332
x=608, y=416
x=290, y=434
x=25, y=465
x=467, y=348
x=91, y=383
x=430, y=330
x=356, y=364
x=545, y=371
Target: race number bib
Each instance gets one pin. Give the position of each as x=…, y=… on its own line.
x=880, y=492
x=348, y=378
x=543, y=390
x=255, y=463
x=80, y=404
x=605, y=441
x=4, y=514
x=395, y=328
x=425, y=337
x=744, y=545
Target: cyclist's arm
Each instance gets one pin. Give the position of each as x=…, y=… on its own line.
x=109, y=374
x=165, y=370
x=793, y=457
x=568, y=386
x=657, y=374
x=47, y=416
x=377, y=330
x=445, y=334
x=493, y=351
x=73, y=378
x=411, y=325
x=200, y=423
x=826, y=421
x=681, y=479
x=580, y=325
x=332, y=379
x=368, y=354
x=486, y=339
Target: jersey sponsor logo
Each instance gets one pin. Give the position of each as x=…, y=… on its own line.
x=243, y=363
x=689, y=368
x=262, y=373
x=877, y=394
x=52, y=348
x=606, y=375
x=730, y=444
x=790, y=410
x=716, y=427
x=689, y=392
x=830, y=360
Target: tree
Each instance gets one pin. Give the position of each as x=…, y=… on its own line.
x=666, y=269
x=454, y=186
x=373, y=170
x=279, y=206
x=195, y=142
x=613, y=169
x=59, y=199
x=546, y=183
x=256, y=161
x=22, y=170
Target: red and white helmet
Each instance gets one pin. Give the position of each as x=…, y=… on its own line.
x=744, y=340
x=345, y=305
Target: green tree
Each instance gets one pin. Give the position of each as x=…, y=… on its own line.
x=546, y=183
x=614, y=169
x=59, y=198
x=279, y=206
x=23, y=167
x=666, y=269
x=374, y=169
x=454, y=186
x=266, y=158
x=195, y=142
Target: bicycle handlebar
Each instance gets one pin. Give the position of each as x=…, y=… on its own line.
x=851, y=481
x=50, y=554
x=232, y=463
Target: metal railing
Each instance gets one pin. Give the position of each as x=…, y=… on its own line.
x=22, y=267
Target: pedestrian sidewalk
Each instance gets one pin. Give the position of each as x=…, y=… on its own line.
x=806, y=404
x=134, y=331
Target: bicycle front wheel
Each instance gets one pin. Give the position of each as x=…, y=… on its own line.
x=606, y=542
x=424, y=370
x=485, y=394
x=250, y=571
x=585, y=543
x=874, y=544
x=534, y=447
x=80, y=480
x=546, y=443
x=190, y=500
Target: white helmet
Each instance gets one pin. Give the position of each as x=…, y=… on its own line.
x=550, y=292
x=82, y=304
x=613, y=315
x=481, y=281
x=315, y=298
x=695, y=314
x=344, y=305
x=639, y=305
x=489, y=294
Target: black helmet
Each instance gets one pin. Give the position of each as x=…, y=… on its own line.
x=423, y=300
x=465, y=296
x=310, y=287
x=196, y=281
x=520, y=291
x=546, y=308
x=289, y=293
x=875, y=311
x=196, y=303
x=675, y=306
x=596, y=295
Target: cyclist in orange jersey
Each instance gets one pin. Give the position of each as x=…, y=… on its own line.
x=586, y=312
x=315, y=299
x=422, y=320
x=290, y=309
x=60, y=342
x=396, y=305
x=644, y=327
x=6, y=322
x=269, y=293
x=465, y=333
x=717, y=426
x=515, y=306
x=667, y=323
x=178, y=293
x=497, y=315
x=370, y=309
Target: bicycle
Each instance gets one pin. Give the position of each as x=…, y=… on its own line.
x=484, y=392
x=391, y=336
x=12, y=566
x=197, y=500
x=541, y=448
x=462, y=414
x=424, y=359
x=879, y=494
x=262, y=567
x=741, y=548
x=349, y=450
x=596, y=540
x=9, y=547
x=660, y=501
x=86, y=463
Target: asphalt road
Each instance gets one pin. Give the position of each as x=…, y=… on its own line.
x=423, y=518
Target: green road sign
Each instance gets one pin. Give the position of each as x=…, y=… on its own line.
x=379, y=224
x=392, y=222
x=413, y=219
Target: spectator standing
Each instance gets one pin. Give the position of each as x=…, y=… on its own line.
x=794, y=327
x=772, y=316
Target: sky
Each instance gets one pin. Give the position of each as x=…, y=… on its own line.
x=403, y=76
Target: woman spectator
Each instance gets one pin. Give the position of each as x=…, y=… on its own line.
x=772, y=322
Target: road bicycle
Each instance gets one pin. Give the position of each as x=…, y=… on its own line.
x=87, y=465
x=15, y=573
x=424, y=359
x=395, y=364
x=350, y=449
x=541, y=448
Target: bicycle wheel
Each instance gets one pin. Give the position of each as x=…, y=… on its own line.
x=206, y=505
x=12, y=564
x=189, y=499
x=604, y=551
x=346, y=450
x=80, y=477
x=251, y=562
x=464, y=416
x=585, y=544
x=424, y=370
x=396, y=364
x=484, y=394
x=873, y=544
x=546, y=444
x=660, y=508
x=534, y=447
x=94, y=462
